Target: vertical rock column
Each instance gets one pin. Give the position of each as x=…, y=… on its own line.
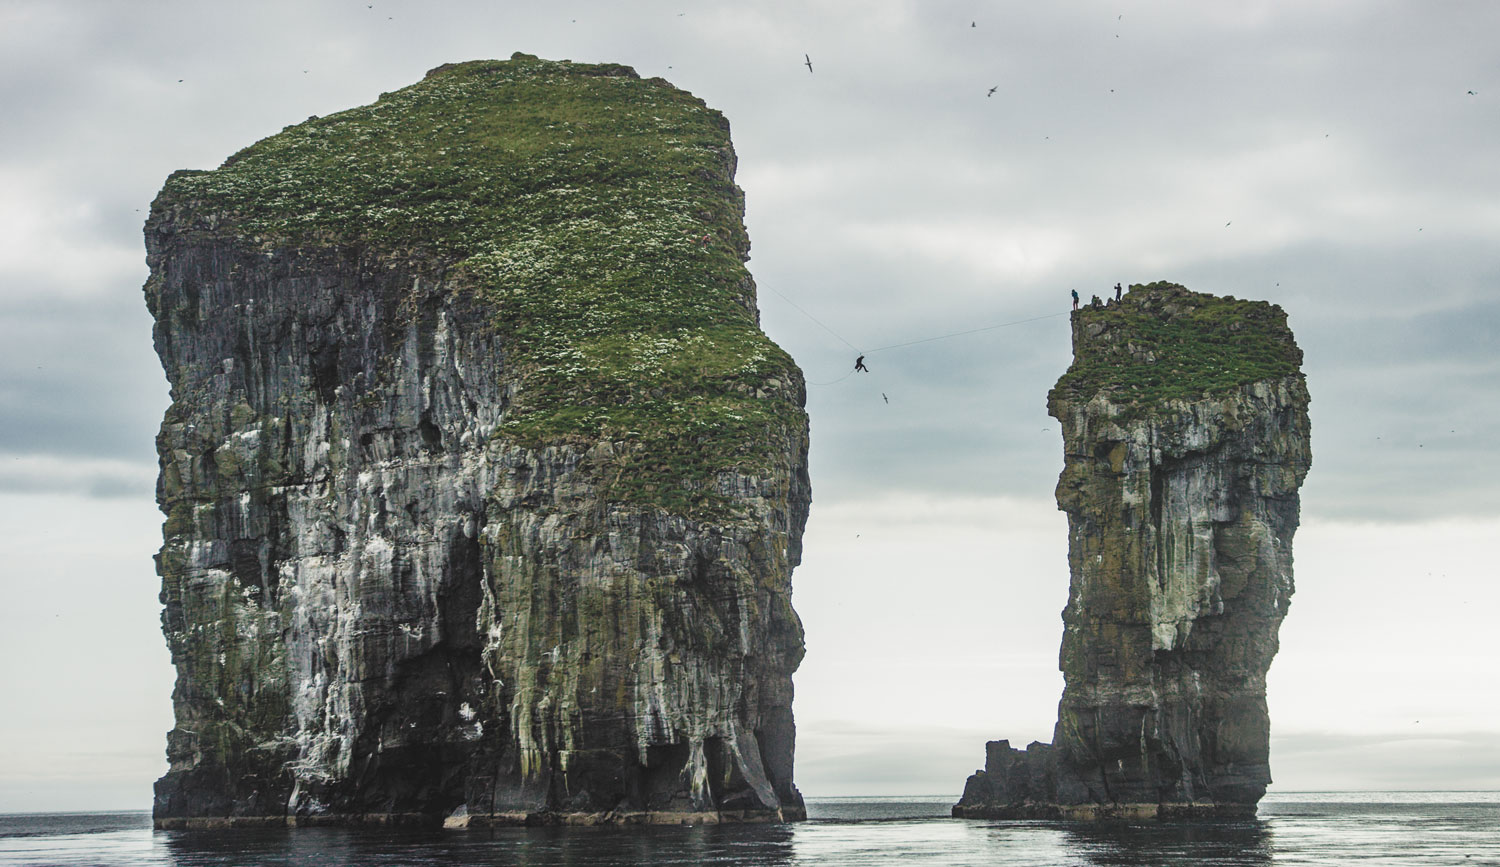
x=1185, y=436
x=483, y=487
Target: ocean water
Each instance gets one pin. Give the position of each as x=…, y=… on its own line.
x=1363, y=828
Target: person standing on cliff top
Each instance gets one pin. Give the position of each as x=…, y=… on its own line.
x=1075, y=299
x=859, y=364
x=1117, y=291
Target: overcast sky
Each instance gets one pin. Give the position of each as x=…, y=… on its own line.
x=1335, y=157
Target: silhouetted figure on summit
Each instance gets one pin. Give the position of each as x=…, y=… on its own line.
x=1075, y=299
x=859, y=364
x=1117, y=291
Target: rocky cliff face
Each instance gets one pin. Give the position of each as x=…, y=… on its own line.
x=483, y=487
x=1185, y=434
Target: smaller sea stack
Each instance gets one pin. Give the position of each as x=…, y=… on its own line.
x=1186, y=438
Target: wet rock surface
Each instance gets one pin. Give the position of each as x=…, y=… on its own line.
x=387, y=606
x=1181, y=512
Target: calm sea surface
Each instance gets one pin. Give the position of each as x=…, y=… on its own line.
x=1363, y=828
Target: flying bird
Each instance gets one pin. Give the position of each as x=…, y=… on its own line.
x=807, y=61
x=992, y=90
x=1472, y=93
x=973, y=23
x=887, y=400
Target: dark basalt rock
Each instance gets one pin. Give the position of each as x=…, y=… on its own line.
x=1186, y=439
x=483, y=488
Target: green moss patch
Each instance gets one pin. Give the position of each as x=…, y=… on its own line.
x=594, y=213
x=1164, y=342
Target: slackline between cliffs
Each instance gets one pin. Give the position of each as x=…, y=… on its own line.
x=864, y=352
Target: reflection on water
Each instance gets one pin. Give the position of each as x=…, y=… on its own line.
x=1372, y=829
x=1169, y=844
x=553, y=847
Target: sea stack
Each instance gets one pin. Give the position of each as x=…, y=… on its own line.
x=1185, y=437
x=483, y=487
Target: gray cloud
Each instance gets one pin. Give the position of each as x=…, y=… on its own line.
x=849, y=758
x=96, y=479
x=80, y=379
x=856, y=758
x=1336, y=761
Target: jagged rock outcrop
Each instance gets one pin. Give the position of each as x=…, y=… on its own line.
x=1185, y=434
x=483, y=487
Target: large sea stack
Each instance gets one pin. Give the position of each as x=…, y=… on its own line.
x=1185, y=437
x=483, y=486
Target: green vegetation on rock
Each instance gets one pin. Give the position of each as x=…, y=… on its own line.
x=1164, y=342
x=594, y=213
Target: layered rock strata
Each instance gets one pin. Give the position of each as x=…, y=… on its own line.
x=1185, y=432
x=483, y=487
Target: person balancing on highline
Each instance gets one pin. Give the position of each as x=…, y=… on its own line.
x=859, y=364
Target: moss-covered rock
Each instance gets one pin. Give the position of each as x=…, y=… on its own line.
x=592, y=214
x=1185, y=440
x=483, y=487
x=1164, y=342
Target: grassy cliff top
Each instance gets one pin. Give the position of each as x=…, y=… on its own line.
x=593, y=211
x=1165, y=342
